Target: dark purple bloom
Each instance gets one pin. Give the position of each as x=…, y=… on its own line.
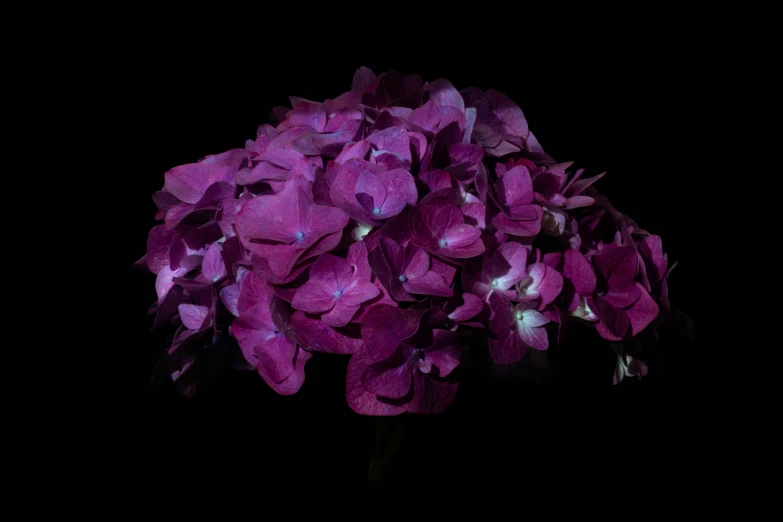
x=404, y=365
x=369, y=193
x=499, y=273
x=279, y=360
x=335, y=290
x=406, y=270
x=621, y=304
x=281, y=228
x=441, y=230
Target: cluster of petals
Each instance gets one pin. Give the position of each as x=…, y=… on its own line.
x=395, y=224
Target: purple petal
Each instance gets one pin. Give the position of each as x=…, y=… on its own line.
x=369, y=184
x=518, y=228
x=577, y=269
x=212, y=266
x=643, y=311
x=416, y=263
x=385, y=325
x=622, y=297
x=318, y=336
x=502, y=313
x=508, y=349
x=443, y=93
x=309, y=113
x=394, y=140
x=359, y=292
x=431, y=396
x=578, y=202
x=357, y=257
x=462, y=235
x=430, y=283
x=617, y=265
x=159, y=242
x=264, y=217
x=445, y=359
x=340, y=315
x=358, y=151
x=389, y=382
x=293, y=382
x=464, y=307
x=400, y=190
x=359, y=399
x=193, y=316
x=229, y=295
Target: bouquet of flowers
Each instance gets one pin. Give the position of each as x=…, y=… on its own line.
x=403, y=224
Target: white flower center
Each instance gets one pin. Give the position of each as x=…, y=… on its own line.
x=519, y=315
x=338, y=294
x=360, y=231
x=443, y=243
x=299, y=236
x=495, y=282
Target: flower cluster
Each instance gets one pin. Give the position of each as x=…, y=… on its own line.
x=393, y=223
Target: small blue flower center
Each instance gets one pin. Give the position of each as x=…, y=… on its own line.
x=518, y=315
x=376, y=211
x=338, y=294
x=443, y=243
x=403, y=278
x=495, y=282
x=299, y=236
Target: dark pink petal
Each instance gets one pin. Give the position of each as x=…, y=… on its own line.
x=308, y=113
x=280, y=151
x=165, y=281
x=193, y=316
x=318, y=336
x=370, y=185
x=577, y=269
x=248, y=338
x=417, y=262
x=534, y=337
x=617, y=265
x=622, y=297
x=385, y=325
x=508, y=264
x=445, y=359
x=229, y=295
x=513, y=227
x=261, y=172
x=357, y=257
x=431, y=396
x=325, y=220
x=430, y=283
x=358, y=150
x=340, y=315
x=464, y=307
x=446, y=270
x=508, y=348
x=614, y=324
x=276, y=358
x=189, y=182
x=400, y=190
x=394, y=140
x=263, y=218
x=255, y=292
x=389, y=382
x=359, y=399
x=293, y=382
x=651, y=249
x=313, y=297
x=502, y=313
x=502, y=149
x=159, y=242
x=427, y=116
x=643, y=311
x=461, y=236
x=450, y=115
x=516, y=188
x=577, y=187
x=359, y=292
x=436, y=179
x=332, y=272
x=475, y=214
x=212, y=266
x=362, y=78
x=443, y=93
x=418, y=144
x=578, y=202
x=264, y=271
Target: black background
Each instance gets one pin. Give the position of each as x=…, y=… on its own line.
x=202, y=89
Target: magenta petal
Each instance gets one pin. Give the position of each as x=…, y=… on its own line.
x=276, y=358
x=359, y=292
x=578, y=202
x=643, y=311
x=357, y=258
x=622, y=297
x=318, y=336
x=577, y=269
x=293, y=382
x=465, y=307
x=369, y=184
x=651, y=249
x=431, y=396
x=427, y=116
x=615, y=321
x=444, y=94
x=313, y=297
x=617, y=264
x=550, y=285
x=340, y=315
x=502, y=313
x=516, y=187
x=525, y=212
x=394, y=140
x=392, y=383
x=229, y=295
x=358, y=150
x=212, y=266
x=385, y=325
x=461, y=236
x=333, y=272
x=430, y=283
x=401, y=190
x=309, y=113
x=517, y=228
x=263, y=218
x=359, y=399
x=534, y=337
x=508, y=349
x=159, y=242
x=445, y=359
x=193, y=316
x=417, y=262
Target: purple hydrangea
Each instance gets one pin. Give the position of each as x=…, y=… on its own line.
x=401, y=223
